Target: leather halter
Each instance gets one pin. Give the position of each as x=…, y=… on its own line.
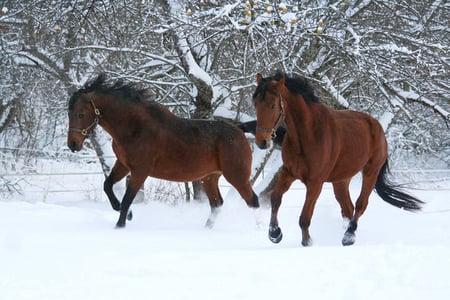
x=278, y=122
x=85, y=131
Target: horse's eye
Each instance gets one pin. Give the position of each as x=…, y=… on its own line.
x=81, y=116
x=272, y=106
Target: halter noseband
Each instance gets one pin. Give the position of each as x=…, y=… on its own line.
x=277, y=124
x=85, y=131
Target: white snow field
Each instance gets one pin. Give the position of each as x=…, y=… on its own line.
x=68, y=248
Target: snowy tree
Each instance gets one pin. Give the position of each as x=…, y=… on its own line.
x=387, y=58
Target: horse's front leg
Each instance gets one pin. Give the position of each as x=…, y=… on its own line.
x=313, y=190
x=134, y=184
x=283, y=183
x=118, y=172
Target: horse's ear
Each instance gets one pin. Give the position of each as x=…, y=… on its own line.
x=259, y=78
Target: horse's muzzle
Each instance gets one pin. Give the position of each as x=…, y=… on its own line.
x=264, y=144
x=74, y=146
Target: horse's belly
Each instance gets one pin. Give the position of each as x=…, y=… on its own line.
x=348, y=166
x=183, y=170
x=344, y=173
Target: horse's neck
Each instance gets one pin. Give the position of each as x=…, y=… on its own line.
x=301, y=121
x=111, y=113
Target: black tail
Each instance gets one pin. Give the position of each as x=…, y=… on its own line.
x=392, y=194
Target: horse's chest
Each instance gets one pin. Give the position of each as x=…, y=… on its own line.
x=294, y=161
x=119, y=150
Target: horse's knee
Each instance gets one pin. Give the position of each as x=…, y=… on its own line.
x=275, y=200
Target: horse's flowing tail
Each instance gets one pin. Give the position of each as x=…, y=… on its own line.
x=392, y=194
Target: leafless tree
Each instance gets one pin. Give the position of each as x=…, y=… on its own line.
x=387, y=58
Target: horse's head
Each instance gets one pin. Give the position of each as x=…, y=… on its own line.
x=83, y=117
x=269, y=106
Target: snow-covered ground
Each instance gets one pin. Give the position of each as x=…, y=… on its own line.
x=67, y=248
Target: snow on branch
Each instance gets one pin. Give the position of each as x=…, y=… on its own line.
x=352, y=11
x=395, y=102
x=333, y=91
x=193, y=68
x=412, y=96
x=129, y=50
x=35, y=58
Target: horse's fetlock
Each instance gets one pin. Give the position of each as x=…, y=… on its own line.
x=352, y=226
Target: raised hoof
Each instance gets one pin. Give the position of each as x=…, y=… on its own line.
x=275, y=234
x=129, y=216
x=348, y=239
x=209, y=224
x=212, y=217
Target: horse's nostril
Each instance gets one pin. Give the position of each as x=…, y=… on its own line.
x=73, y=146
x=263, y=144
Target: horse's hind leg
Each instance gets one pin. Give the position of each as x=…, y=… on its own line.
x=242, y=184
x=118, y=172
x=368, y=184
x=342, y=195
x=244, y=188
x=210, y=184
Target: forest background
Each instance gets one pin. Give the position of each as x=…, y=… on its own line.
x=387, y=58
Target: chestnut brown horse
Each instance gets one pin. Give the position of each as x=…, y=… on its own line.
x=323, y=145
x=149, y=140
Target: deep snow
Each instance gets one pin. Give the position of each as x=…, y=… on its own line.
x=68, y=249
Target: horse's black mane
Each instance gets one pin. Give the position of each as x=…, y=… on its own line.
x=120, y=89
x=297, y=85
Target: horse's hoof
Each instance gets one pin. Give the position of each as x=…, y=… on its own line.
x=129, y=216
x=209, y=224
x=348, y=239
x=120, y=225
x=306, y=243
x=275, y=234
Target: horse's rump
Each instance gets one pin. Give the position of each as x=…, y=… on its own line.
x=360, y=138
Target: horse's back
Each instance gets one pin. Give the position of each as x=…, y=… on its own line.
x=189, y=149
x=358, y=127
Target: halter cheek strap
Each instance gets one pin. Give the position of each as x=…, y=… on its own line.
x=278, y=122
x=85, y=131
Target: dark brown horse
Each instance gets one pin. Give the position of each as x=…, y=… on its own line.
x=323, y=145
x=149, y=140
